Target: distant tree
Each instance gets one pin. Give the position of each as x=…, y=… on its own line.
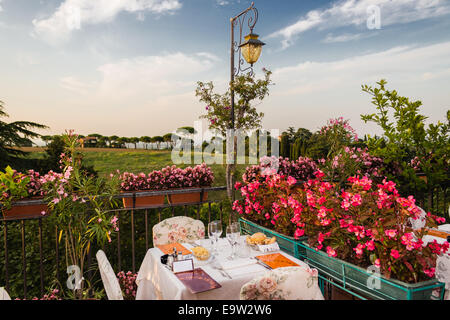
x=190, y=130
x=168, y=139
x=158, y=140
x=113, y=141
x=285, y=146
x=15, y=134
x=53, y=154
x=145, y=140
x=120, y=142
x=135, y=141
x=102, y=142
x=47, y=139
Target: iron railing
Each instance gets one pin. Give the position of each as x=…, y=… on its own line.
x=32, y=259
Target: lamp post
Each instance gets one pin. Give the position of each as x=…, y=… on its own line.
x=250, y=50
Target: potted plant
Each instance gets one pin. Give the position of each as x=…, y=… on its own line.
x=301, y=169
x=141, y=182
x=353, y=229
x=15, y=188
x=199, y=176
x=268, y=206
x=168, y=178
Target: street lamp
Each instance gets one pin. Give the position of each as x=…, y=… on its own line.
x=250, y=50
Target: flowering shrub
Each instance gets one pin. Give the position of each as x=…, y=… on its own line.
x=52, y=295
x=81, y=208
x=168, y=178
x=338, y=133
x=365, y=224
x=351, y=161
x=128, y=284
x=301, y=169
x=368, y=224
x=271, y=203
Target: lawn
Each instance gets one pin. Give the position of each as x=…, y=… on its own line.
x=106, y=161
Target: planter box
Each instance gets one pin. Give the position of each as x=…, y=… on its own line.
x=286, y=243
x=357, y=279
x=143, y=202
x=26, y=210
x=189, y=197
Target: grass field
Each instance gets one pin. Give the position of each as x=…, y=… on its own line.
x=106, y=161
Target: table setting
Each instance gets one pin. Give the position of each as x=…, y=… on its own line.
x=209, y=269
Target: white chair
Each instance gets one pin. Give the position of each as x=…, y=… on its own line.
x=109, y=279
x=288, y=283
x=420, y=222
x=444, y=227
x=4, y=295
x=178, y=229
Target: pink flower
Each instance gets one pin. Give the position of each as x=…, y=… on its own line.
x=359, y=249
x=298, y=233
x=291, y=181
x=395, y=254
x=377, y=263
x=331, y=252
x=429, y=272
x=356, y=200
x=391, y=233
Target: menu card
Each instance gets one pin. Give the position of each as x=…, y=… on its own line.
x=276, y=260
x=438, y=233
x=197, y=280
x=168, y=248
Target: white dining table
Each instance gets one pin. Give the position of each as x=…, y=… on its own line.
x=156, y=282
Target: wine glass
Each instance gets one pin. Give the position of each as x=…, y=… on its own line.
x=233, y=235
x=214, y=233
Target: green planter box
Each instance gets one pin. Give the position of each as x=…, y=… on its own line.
x=358, y=279
x=286, y=243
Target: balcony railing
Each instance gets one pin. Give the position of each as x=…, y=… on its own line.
x=32, y=258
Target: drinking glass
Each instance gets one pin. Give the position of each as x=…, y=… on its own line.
x=233, y=235
x=214, y=233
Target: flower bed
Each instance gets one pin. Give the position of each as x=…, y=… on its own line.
x=367, y=283
x=365, y=225
x=301, y=169
x=169, y=178
x=15, y=188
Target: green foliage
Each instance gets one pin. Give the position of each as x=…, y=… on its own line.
x=79, y=206
x=407, y=145
x=246, y=89
x=15, y=134
x=13, y=187
x=284, y=146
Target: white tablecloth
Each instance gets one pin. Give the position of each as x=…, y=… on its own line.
x=155, y=281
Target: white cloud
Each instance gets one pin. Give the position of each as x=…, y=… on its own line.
x=75, y=85
x=1, y=9
x=312, y=92
x=150, y=94
x=331, y=38
x=153, y=76
x=355, y=13
x=74, y=14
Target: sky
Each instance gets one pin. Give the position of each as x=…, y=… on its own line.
x=130, y=67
